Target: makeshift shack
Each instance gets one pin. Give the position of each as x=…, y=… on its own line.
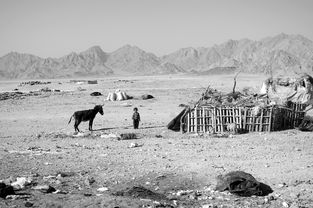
x=279, y=108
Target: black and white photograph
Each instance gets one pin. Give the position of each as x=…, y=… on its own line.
x=156, y=103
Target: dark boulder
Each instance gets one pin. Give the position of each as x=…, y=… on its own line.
x=96, y=94
x=6, y=190
x=146, y=97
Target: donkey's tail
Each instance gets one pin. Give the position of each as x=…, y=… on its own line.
x=70, y=119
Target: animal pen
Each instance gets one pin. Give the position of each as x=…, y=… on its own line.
x=280, y=105
x=212, y=119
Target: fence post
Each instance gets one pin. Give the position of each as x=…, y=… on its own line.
x=196, y=119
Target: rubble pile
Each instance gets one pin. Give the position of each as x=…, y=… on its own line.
x=33, y=83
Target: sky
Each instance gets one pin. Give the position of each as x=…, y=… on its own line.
x=54, y=28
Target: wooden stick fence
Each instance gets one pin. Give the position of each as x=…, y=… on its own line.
x=217, y=119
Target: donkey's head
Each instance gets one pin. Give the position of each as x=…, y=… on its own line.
x=99, y=109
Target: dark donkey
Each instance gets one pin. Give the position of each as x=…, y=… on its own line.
x=86, y=115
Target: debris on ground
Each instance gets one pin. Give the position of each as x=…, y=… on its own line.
x=242, y=184
x=66, y=174
x=33, y=83
x=44, y=188
x=133, y=145
x=102, y=189
x=107, y=136
x=89, y=181
x=140, y=192
x=128, y=136
x=95, y=94
x=45, y=89
x=6, y=190
x=146, y=97
x=21, y=182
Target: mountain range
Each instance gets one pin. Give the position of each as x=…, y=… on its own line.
x=279, y=54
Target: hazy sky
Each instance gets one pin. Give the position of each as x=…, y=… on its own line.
x=53, y=28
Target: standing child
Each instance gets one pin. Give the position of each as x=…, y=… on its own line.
x=136, y=118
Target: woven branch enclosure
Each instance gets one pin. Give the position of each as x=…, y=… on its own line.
x=222, y=119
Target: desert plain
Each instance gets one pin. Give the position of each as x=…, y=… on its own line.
x=179, y=169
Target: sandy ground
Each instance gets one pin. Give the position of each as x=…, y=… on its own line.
x=36, y=142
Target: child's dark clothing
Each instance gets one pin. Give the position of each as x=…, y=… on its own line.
x=136, y=119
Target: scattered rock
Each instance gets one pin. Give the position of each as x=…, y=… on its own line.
x=44, y=188
x=281, y=185
x=34, y=83
x=102, y=189
x=133, y=145
x=183, y=192
x=59, y=192
x=128, y=136
x=141, y=192
x=95, y=94
x=28, y=204
x=146, y=97
x=107, y=136
x=21, y=182
x=45, y=89
x=89, y=181
x=20, y=196
x=285, y=204
x=209, y=206
x=66, y=174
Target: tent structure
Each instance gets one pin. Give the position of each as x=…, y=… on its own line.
x=175, y=124
x=118, y=95
x=282, y=90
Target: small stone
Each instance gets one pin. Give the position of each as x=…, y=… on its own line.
x=281, y=185
x=44, y=188
x=21, y=182
x=89, y=181
x=285, y=204
x=102, y=189
x=28, y=204
x=133, y=145
x=209, y=206
x=66, y=174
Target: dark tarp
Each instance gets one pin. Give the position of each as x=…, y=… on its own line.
x=306, y=125
x=175, y=123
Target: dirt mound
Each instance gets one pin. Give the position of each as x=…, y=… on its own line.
x=140, y=192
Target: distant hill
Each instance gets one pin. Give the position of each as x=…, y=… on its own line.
x=279, y=54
